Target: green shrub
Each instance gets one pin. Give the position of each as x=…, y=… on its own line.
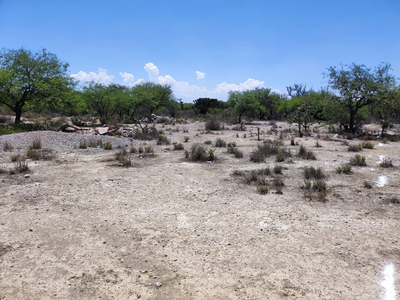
x=178, y=146
x=21, y=165
x=220, y=143
x=236, y=152
x=163, y=140
x=282, y=154
x=313, y=173
x=15, y=157
x=133, y=150
x=232, y=144
x=278, y=169
x=358, y=160
x=198, y=153
x=107, y=146
x=266, y=149
x=124, y=158
x=344, y=169
x=319, y=186
x=208, y=142
x=37, y=143
x=263, y=189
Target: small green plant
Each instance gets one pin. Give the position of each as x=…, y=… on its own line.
x=319, y=186
x=37, y=143
x=7, y=146
x=198, y=153
x=317, y=144
x=148, y=149
x=124, y=158
x=344, y=169
x=163, y=140
x=262, y=189
x=344, y=142
x=220, y=143
x=231, y=144
x=358, y=160
x=15, y=157
x=133, y=150
x=313, y=173
x=282, y=154
x=178, y=146
x=386, y=163
x=186, y=154
x=186, y=138
x=211, y=155
x=107, y=146
x=367, y=145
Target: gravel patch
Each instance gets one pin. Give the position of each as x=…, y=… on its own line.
x=60, y=142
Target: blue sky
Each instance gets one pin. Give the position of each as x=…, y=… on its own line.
x=206, y=48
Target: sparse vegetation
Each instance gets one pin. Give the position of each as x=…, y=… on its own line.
x=220, y=143
x=305, y=154
x=367, y=145
x=266, y=149
x=7, y=147
x=317, y=144
x=178, y=146
x=39, y=154
x=313, y=173
x=278, y=169
x=163, y=140
x=37, y=143
x=186, y=138
x=21, y=165
x=212, y=124
x=344, y=169
x=83, y=144
x=355, y=148
x=123, y=157
x=263, y=189
x=235, y=151
x=367, y=185
x=107, y=146
x=358, y=161
x=386, y=163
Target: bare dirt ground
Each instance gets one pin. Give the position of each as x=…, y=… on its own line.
x=82, y=227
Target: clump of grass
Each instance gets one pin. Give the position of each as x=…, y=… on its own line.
x=232, y=144
x=344, y=142
x=37, y=143
x=317, y=144
x=212, y=124
x=355, y=148
x=211, y=155
x=386, y=163
x=235, y=151
x=3, y=170
x=83, y=144
x=367, y=185
x=178, y=146
x=220, y=143
x=263, y=189
x=200, y=153
x=239, y=173
x=305, y=154
x=21, y=165
x=107, y=146
x=292, y=142
x=266, y=149
x=163, y=140
x=278, y=169
x=187, y=154
x=208, y=142
x=7, y=146
x=367, y=145
x=186, y=138
x=313, y=173
x=317, y=187
x=344, y=169
x=124, y=158
x=358, y=160
x=133, y=150
x=282, y=154
x=40, y=154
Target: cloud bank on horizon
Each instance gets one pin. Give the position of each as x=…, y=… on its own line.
x=182, y=89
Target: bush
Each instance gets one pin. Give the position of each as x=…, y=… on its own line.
x=40, y=154
x=263, y=189
x=7, y=146
x=178, y=146
x=231, y=144
x=123, y=158
x=107, y=146
x=344, y=169
x=198, y=153
x=133, y=150
x=278, y=169
x=367, y=185
x=14, y=158
x=21, y=165
x=355, y=148
x=319, y=186
x=282, y=154
x=358, y=160
x=264, y=150
x=163, y=140
x=83, y=144
x=186, y=138
x=207, y=142
x=212, y=124
x=220, y=143
x=37, y=143
x=93, y=143
x=386, y=163
x=306, y=154
x=313, y=173
x=317, y=144
x=367, y=145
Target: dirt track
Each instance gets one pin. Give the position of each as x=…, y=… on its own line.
x=82, y=227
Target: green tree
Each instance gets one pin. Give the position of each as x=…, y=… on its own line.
x=100, y=99
x=203, y=105
x=32, y=79
x=387, y=109
x=153, y=96
x=244, y=102
x=357, y=86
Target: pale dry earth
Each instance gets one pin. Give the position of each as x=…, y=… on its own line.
x=82, y=227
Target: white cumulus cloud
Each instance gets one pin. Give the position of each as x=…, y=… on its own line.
x=249, y=84
x=153, y=71
x=200, y=75
x=100, y=77
x=129, y=79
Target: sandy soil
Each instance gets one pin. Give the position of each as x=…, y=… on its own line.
x=82, y=227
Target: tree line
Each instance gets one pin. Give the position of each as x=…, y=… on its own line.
x=39, y=81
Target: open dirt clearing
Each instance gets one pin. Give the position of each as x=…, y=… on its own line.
x=82, y=227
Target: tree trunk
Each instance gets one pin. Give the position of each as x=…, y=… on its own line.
x=351, y=123
x=18, y=114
